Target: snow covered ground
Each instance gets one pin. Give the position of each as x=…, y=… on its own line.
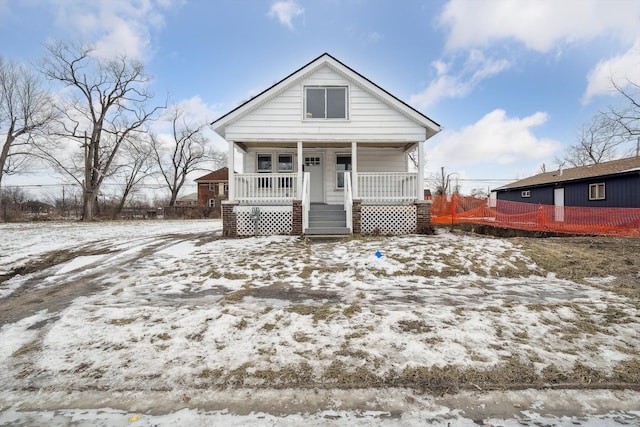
x=164, y=322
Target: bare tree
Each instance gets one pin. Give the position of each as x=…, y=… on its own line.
x=25, y=109
x=442, y=182
x=108, y=104
x=610, y=134
x=135, y=165
x=628, y=117
x=11, y=198
x=597, y=142
x=186, y=152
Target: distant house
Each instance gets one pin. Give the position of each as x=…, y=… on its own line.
x=188, y=200
x=213, y=188
x=608, y=184
x=325, y=151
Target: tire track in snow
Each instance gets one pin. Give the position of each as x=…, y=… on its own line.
x=55, y=287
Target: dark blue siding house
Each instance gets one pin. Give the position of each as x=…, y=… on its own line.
x=608, y=184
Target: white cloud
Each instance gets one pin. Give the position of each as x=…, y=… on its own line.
x=195, y=113
x=446, y=85
x=540, y=25
x=114, y=27
x=285, y=11
x=375, y=36
x=495, y=139
x=621, y=69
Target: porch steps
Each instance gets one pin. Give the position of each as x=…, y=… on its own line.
x=327, y=220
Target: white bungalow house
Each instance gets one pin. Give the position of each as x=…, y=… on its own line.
x=325, y=151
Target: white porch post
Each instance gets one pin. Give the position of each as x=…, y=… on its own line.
x=354, y=169
x=300, y=171
x=420, y=190
x=231, y=160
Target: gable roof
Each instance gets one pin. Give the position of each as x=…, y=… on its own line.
x=614, y=167
x=221, y=174
x=325, y=60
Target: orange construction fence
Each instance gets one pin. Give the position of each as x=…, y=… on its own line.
x=456, y=209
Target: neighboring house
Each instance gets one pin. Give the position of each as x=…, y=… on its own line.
x=213, y=188
x=325, y=151
x=609, y=184
x=188, y=200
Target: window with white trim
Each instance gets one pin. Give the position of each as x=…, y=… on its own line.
x=212, y=203
x=526, y=193
x=596, y=191
x=343, y=164
x=330, y=102
x=264, y=163
x=285, y=163
x=264, y=166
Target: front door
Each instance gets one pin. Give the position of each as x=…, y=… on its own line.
x=313, y=165
x=558, y=201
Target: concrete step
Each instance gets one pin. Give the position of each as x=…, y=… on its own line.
x=327, y=223
x=327, y=215
x=322, y=207
x=326, y=231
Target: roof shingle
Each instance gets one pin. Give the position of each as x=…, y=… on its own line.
x=613, y=167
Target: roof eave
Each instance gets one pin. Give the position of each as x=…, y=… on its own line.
x=219, y=125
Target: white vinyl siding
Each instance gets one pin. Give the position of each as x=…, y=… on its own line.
x=369, y=119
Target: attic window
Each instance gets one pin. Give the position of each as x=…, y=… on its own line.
x=325, y=102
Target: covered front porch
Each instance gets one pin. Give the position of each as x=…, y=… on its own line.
x=325, y=188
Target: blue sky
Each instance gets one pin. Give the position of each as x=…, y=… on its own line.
x=511, y=82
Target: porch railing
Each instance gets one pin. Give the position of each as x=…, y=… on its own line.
x=306, y=200
x=266, y=188
x=348, y=200
x=387, y=187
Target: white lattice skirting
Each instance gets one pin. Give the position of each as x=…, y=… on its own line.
x=271, y=220
x=388, y=219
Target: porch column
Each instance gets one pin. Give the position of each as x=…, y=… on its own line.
x=354, y=170
x=420, y=190
x=231, y=161
x=300, y=169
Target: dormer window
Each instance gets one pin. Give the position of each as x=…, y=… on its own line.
x=328, y=102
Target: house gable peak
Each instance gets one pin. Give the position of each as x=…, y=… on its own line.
x=325, y=60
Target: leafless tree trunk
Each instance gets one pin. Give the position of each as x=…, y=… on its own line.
x=136, y=164
x=185, y=152
x=442, y=183
x=25, y=109
x=109, y=105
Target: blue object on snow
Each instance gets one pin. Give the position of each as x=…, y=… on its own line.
x=378, y=254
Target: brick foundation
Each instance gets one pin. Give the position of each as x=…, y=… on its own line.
x=356, y=211
x=423, y=217
x=229, y=221
x=296, y=218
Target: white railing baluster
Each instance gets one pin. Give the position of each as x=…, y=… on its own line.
x=266, y=188
x=387, y=187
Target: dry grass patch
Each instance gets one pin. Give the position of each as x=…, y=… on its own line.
x=414, y=326
x=578, y=258
x=324, y=312
x=122, y=322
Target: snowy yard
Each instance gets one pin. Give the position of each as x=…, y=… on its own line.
x=166, y=318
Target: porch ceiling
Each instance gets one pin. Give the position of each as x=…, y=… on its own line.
x=317, y=144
